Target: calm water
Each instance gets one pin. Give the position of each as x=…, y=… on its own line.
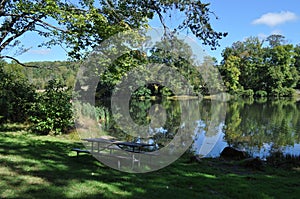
x=258, y=127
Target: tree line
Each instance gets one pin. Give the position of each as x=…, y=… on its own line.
x=261, y=68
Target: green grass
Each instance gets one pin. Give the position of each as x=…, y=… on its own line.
x=44, y=167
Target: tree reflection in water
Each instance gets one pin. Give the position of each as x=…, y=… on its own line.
x=259, y=127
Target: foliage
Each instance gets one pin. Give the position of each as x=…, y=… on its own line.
x=16, y=94
x=62, y=70
x=84, y=24
x=142, y=92
x=177, y=55
x=297, y=61
x=166, y=92
x=172, y=52
x=249, y=65
x=39, y=77
x=52, y=113
x=231, y=73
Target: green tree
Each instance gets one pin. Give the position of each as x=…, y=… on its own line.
x=281, y=75
x=178, y=55
x=82, y=25
x=276, y=40
x=231, y=73
x=16, y=94
x=297, y=61
x=271, y=69
x=249, y=52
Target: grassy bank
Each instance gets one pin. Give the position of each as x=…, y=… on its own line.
x=44, y=167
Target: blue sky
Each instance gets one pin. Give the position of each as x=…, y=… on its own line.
x=244, y=18
x=240, y=18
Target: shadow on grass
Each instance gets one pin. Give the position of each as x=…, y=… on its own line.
x=37, y=167
x=8, y=127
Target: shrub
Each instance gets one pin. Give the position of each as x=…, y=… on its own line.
x=52, y=113
x=16, y=96
x=287, y=92
x=283, y=92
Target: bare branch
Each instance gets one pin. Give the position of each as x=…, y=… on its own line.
x=22, y=64
x=162, y=21
x=18, y=62
x=161, y=18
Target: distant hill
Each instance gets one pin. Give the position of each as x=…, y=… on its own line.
x=63, y=70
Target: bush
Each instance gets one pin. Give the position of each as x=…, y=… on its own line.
x=287, y=92
x=52, y=113
x=16, y=96
x=283, y=92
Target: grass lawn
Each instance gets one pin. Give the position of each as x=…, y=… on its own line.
x=44, y=167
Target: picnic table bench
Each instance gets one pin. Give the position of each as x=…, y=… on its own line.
x=78, y=150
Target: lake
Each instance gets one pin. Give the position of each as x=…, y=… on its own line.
x=258, y=127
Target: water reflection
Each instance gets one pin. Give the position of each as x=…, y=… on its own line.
x=261, y=128
x=258, y=127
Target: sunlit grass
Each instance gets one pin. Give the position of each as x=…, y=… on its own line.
x=44, y=167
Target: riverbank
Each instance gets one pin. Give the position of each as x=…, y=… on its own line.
x=44, y=167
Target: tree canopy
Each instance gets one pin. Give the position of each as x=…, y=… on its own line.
x=253, y=67
x=81, y=25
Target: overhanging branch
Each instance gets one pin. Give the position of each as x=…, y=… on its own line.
x=18, y=62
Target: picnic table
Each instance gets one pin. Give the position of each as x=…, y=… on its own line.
x=132, y=146
x=98, y=144
x=119, y=150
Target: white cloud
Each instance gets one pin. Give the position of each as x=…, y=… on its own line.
x=274, y=19
x=40, y=52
